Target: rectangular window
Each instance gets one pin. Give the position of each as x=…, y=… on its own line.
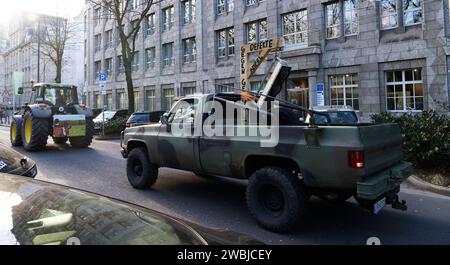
x=107, y=11
x=97, y=68
x=295, y=28
x=224, y=6
x=150, y=58
x=225, y=42
x=345, y=90
x=189, y=51
x=137, y=100
x=98, y=101
x=350, y=17
x=150, y=25
x=97, y=15
x=167, y=18
x=412, y=12
x=122, y=100
x=150, y=99
x=108, y=66
x=257, y=31
x=225, y=88
x=187, y=91
x=120, y=66
x=333, y=16
x=109, y=101
x=168, y=96
x=134, y=4
x=252, y=2
x=108, y=39
x=98, y=42
x=167, y=51
x=389, y=15
x=404, y=90
x=135, y=62
x=188, y=11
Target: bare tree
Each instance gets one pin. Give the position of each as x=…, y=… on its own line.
x=128, y=16
x=54, y=37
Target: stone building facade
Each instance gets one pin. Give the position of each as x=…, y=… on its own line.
x=386, y=55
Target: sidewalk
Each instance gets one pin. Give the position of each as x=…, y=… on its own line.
x=4, y=124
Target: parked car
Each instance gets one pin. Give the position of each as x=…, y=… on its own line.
x=110, y=115
x=337, y=114
x=13, y=162
x=42, y=213
x=362, y=160
x=97, y=111
x=144, y=118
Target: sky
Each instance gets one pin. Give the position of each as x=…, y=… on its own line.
x=64, y=8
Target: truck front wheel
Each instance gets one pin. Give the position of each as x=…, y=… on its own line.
x=276, y=198
x=141, y=173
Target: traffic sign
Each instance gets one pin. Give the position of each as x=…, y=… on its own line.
x=102, y=77
x=320, y=90
x=102, y=89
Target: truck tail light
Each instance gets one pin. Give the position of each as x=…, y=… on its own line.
x=356, y=159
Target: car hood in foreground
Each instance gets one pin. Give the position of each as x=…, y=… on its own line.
x=40, y=213
x=13, y=162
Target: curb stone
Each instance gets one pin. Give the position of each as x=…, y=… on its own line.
x=419, y=183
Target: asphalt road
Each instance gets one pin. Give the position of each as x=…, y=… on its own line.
x=220, y=202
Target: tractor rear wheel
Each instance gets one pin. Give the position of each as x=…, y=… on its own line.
x=35, y=132
x=60, y=140
x=84, y=141
x=15, y=136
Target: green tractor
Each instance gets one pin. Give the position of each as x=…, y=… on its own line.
x=53, y=110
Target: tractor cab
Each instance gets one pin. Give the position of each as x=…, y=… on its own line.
x=54, y=95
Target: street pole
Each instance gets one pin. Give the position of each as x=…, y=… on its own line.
x=39, y=50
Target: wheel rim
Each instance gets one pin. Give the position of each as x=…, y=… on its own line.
x=28, y=130
x=138, y=169
x=273, y=198
x=13, y=132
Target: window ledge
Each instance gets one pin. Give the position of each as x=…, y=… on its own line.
x=300, y=50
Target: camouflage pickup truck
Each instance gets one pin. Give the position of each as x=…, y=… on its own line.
x=214, y=135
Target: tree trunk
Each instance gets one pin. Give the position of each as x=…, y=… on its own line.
x=130, y=89
x=58, y=73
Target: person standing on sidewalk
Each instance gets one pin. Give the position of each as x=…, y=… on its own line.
x=2, y=112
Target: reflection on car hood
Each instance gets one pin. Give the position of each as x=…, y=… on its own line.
x=40, y=213
x=10, y=161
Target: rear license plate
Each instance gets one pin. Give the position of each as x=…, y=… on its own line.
x=379, y=205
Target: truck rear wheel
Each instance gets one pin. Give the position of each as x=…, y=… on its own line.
x=35, y=132
x=15, y=134
x=85, y=141
x=141, y=173
x=276, y=198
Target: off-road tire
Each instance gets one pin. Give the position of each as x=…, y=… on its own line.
x=40, y=130
x=60, y=140
x=336, y=198
x=84, y=141
x=17, y=140
x=276, y=198
x=140, y=172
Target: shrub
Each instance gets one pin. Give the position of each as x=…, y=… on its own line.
x=426, y=136
x=115, y=127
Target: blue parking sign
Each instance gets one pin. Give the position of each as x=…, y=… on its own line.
x=102, y=77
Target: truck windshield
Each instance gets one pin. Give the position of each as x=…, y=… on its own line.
x=58, y=96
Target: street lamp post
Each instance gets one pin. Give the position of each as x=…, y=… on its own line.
x=39, y=50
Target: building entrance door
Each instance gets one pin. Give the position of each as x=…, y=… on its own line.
x=298, y=92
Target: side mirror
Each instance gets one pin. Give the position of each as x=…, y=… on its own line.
x=20, y=91
x=165, y=119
